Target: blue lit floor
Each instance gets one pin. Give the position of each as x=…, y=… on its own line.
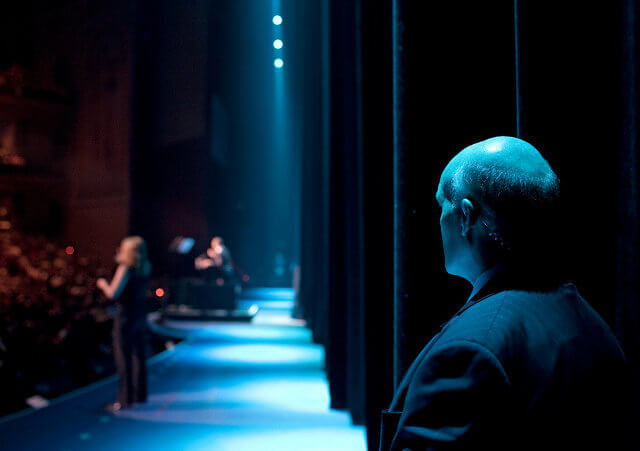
x=225, y=387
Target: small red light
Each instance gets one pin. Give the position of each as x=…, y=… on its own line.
x=69, y=250
x=220, y=281
x=159, y=292
x=245, y=278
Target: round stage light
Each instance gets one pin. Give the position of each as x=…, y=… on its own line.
x=277, y=44
x=278, y=63
x=159, y=292
x=277, y=20
x=69, y=250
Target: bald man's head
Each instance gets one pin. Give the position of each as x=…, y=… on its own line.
x=507, y=184
x=500, y=168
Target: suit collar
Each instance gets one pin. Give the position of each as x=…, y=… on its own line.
x=513, y=274
x=483, y=282
x=489, y=282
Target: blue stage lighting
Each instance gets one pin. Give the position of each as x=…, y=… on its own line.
x=263, y=354
x=278, y=63
x=277, y=44
x=277, y=20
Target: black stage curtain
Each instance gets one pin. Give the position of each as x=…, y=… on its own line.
x=376, y=130
x=628, y=245
x=347, y=210
x=578, y=103
x=310, y=71
x=563, y=76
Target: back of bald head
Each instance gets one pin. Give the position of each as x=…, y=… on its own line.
x=515, y=187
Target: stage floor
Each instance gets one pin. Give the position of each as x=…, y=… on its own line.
x=258, y=386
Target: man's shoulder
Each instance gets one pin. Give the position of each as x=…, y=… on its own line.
x=477, y=318
x=511, y=313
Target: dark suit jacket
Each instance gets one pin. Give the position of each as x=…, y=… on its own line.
x=520, y=366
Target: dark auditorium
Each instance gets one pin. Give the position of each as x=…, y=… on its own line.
x=328, y=225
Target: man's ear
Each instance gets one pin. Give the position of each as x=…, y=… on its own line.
x=468, y=215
